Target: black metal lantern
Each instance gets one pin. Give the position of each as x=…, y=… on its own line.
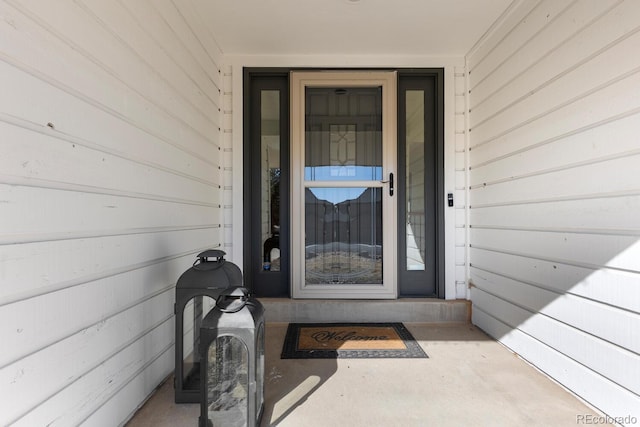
x=196, y=293
x=232, y=367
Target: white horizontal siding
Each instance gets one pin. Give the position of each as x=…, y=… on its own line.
x=110, y=182
x=229, y=163
x=460, y=194
x=119, y=254
x=560, y=268
x=554, y=193
x=591, y=386
x=102, y=214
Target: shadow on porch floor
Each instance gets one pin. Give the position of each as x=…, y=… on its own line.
x=468, y=379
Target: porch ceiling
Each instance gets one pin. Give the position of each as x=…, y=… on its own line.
x=335, y=27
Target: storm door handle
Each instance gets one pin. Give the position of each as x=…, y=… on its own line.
x=390, y=182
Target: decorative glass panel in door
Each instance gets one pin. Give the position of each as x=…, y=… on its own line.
x=343, y=163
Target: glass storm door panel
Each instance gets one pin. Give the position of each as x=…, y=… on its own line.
x=343, y=163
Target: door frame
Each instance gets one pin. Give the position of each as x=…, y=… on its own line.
x=387, y=80
x=431, y=81
x=264, y=283
x=252, y=268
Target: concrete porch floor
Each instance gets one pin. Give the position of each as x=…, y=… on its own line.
x=468, y=380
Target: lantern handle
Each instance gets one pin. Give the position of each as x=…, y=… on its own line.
x=210, y=253
x=233, y=299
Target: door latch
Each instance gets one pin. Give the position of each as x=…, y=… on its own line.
x=390, y=182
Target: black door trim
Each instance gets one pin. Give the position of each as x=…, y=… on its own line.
x=431, y=282
x=264, y=283
x=274, y=284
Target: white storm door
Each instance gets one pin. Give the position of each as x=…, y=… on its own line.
x=343, y=163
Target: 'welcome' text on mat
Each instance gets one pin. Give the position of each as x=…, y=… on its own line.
x=349, y=340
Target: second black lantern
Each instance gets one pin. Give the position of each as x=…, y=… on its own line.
x=232, y=355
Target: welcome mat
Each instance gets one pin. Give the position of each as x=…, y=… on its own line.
x=349, y=340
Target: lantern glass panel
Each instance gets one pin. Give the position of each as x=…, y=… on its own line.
x=260, y=367
x=193, y=314
x=228, y=382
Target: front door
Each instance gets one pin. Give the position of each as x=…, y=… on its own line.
x=343, y=183
x=343, y=171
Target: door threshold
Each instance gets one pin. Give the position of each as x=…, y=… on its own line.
x=411, y=310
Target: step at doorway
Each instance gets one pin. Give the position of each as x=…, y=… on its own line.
x=411, y=310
